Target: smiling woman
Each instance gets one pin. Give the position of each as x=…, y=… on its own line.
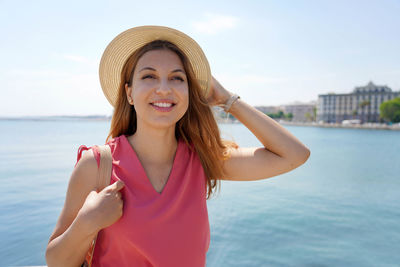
x=167, y=157
x=166, y=105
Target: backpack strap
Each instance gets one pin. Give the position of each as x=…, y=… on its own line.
x=104, y=174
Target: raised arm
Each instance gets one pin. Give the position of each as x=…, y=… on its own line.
x=281, y=153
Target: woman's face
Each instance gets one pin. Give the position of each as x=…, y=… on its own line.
x=159, y=89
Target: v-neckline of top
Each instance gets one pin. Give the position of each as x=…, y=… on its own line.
x=143, y=172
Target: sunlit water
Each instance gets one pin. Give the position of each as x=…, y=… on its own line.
x=341, y=208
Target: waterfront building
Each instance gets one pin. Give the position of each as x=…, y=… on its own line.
x=362, y=104
x=301, y=112
x=268, y=109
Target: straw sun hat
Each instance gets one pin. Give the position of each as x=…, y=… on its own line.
x=127, y=42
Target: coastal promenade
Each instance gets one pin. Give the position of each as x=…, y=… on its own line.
x=374, y=126
x=368, y=125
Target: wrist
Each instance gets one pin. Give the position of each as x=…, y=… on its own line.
x=226, y=98
x=87, y=224
x=229, y=102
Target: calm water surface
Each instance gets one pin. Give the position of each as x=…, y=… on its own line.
x=341, y=208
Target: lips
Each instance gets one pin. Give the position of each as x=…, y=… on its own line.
x=163, y=105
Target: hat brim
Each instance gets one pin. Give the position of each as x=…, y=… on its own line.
x=126, y=43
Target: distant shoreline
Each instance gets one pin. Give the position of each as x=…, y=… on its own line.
x=371, y=126
x=58, y=118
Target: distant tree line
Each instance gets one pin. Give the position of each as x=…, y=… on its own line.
x=280, y=115
x=390, y=110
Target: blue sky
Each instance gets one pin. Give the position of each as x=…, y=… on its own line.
x=268, y=52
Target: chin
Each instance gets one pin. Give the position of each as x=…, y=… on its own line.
x=163, y=124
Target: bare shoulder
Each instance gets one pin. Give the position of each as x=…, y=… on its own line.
x=85, y=172
x=83, y=179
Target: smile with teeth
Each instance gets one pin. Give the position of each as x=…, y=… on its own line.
x=162, y=104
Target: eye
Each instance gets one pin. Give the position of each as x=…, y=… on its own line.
x=147, y=76
x=178, y=78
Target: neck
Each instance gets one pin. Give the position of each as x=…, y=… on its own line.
x=154, y=147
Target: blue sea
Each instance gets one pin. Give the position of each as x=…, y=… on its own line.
x=341, y=208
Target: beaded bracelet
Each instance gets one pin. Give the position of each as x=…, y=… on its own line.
x=228, y=104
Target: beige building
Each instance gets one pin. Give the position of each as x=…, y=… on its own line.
x=363, y=104
x=267, y=109
x=301, y=112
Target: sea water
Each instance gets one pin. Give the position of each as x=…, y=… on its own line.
x=341, y=208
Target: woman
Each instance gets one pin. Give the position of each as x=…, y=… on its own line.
x=167, y=157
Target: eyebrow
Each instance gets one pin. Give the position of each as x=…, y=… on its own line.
x=149, y=68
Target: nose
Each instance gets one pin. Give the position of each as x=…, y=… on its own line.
x=164, y=87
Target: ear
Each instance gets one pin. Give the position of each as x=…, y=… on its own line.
x=128, y=91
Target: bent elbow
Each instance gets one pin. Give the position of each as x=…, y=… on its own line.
x=305, y=156
x=48, y=257
x=302, y=157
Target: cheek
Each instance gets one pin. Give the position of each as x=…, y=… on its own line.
x=184, y=91
x=185, y=100
x=138, y=95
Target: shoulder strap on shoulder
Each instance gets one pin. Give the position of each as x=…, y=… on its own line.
x=104, y=174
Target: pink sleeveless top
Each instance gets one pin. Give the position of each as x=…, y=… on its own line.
x=167, y=229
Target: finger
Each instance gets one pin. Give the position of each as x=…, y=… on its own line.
x=118, y=185
x=93, y=192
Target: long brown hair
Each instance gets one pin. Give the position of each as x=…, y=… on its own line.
x=197, y=126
